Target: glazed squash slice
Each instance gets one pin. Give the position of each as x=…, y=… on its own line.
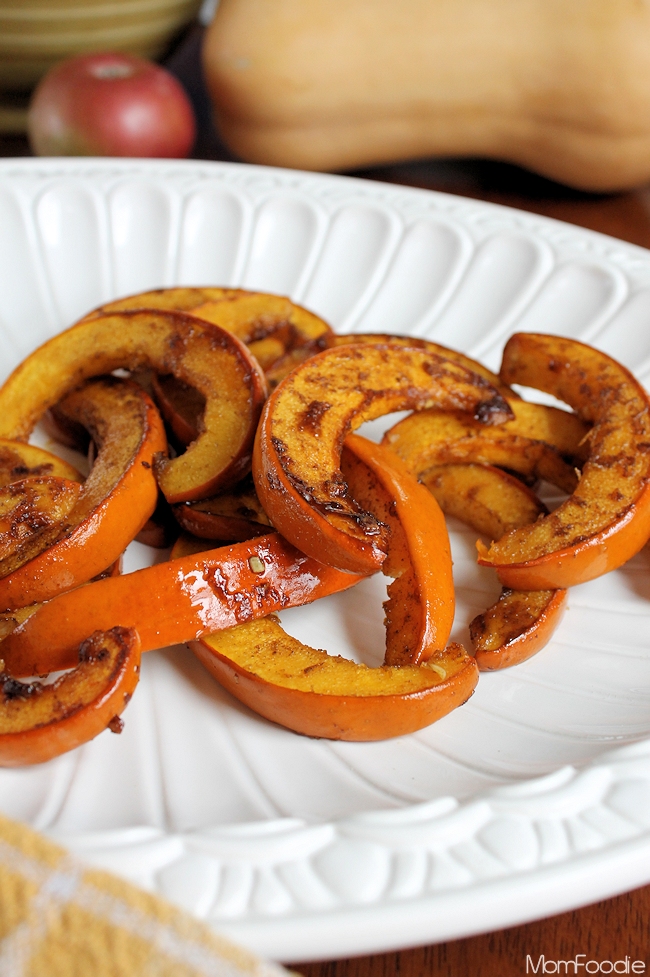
x=422, y=678
x=296, y=460
x=606, y=520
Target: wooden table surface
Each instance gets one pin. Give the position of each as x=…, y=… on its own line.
x=607, y=931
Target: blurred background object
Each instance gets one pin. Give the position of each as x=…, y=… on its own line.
x=35, y=34
x=110, y=104
x=560, y=88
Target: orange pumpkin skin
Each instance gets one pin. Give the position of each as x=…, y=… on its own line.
x=77, y=707
x=172, y=602
x=513, y=648
x=421, y=680
x=124, y=502
x=199, y=353
x=585, y=561
x=350, y=715
x=423, y=586
x=607, y=518
x=296, y=457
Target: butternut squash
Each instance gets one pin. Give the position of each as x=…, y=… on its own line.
x=561, y=88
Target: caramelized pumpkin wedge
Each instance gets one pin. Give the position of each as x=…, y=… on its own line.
x=355, y=338
x=232, y=516
x=492, y=502
x=321, y=695
x=39, y=722
x=257, y=316
x=419, y=612
x=277, y=332
x=114, y=503
x=19, y=460
x=486, y=498
x=170, y=602
x=272, y=326
x=181, y=406
x=296, y=459
x=30, y=507
x=564, y=431
x=517, y=626
x=251, y=316
x=437, y=437
x=202, y=355
x=317, y=694
x=607, y=518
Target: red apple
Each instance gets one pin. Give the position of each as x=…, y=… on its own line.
x=110, y=105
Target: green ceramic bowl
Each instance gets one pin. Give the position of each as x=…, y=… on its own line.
x=34, y=34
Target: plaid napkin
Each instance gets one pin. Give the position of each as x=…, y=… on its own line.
x=59, y=918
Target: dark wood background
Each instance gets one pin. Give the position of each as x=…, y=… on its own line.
x=606, y=931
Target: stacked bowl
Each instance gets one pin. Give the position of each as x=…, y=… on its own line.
x=34, y=34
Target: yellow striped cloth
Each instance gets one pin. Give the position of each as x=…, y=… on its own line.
x=59, y=918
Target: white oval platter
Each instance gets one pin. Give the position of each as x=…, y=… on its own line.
x=532, y=798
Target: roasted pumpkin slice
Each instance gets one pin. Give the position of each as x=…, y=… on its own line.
x=232, y=516
x=170, y=602
x=30, y=507
x=607, y=518
x=19, y=460
x=486, y=498
x=338, y=339
x=419, y=612
x=296, y=464
x=563, y=430
x=114, y=503
x=272, y=326
x=321, y=695
x=437, y=437
x=516, y=627
x=492, y=502
x=251, y=316
x=202, y=355
x=276, y=331
x=257, y=316
x=313, y=693
x=39, y=722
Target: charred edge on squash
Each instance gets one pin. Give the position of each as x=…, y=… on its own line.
x=366, y=522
